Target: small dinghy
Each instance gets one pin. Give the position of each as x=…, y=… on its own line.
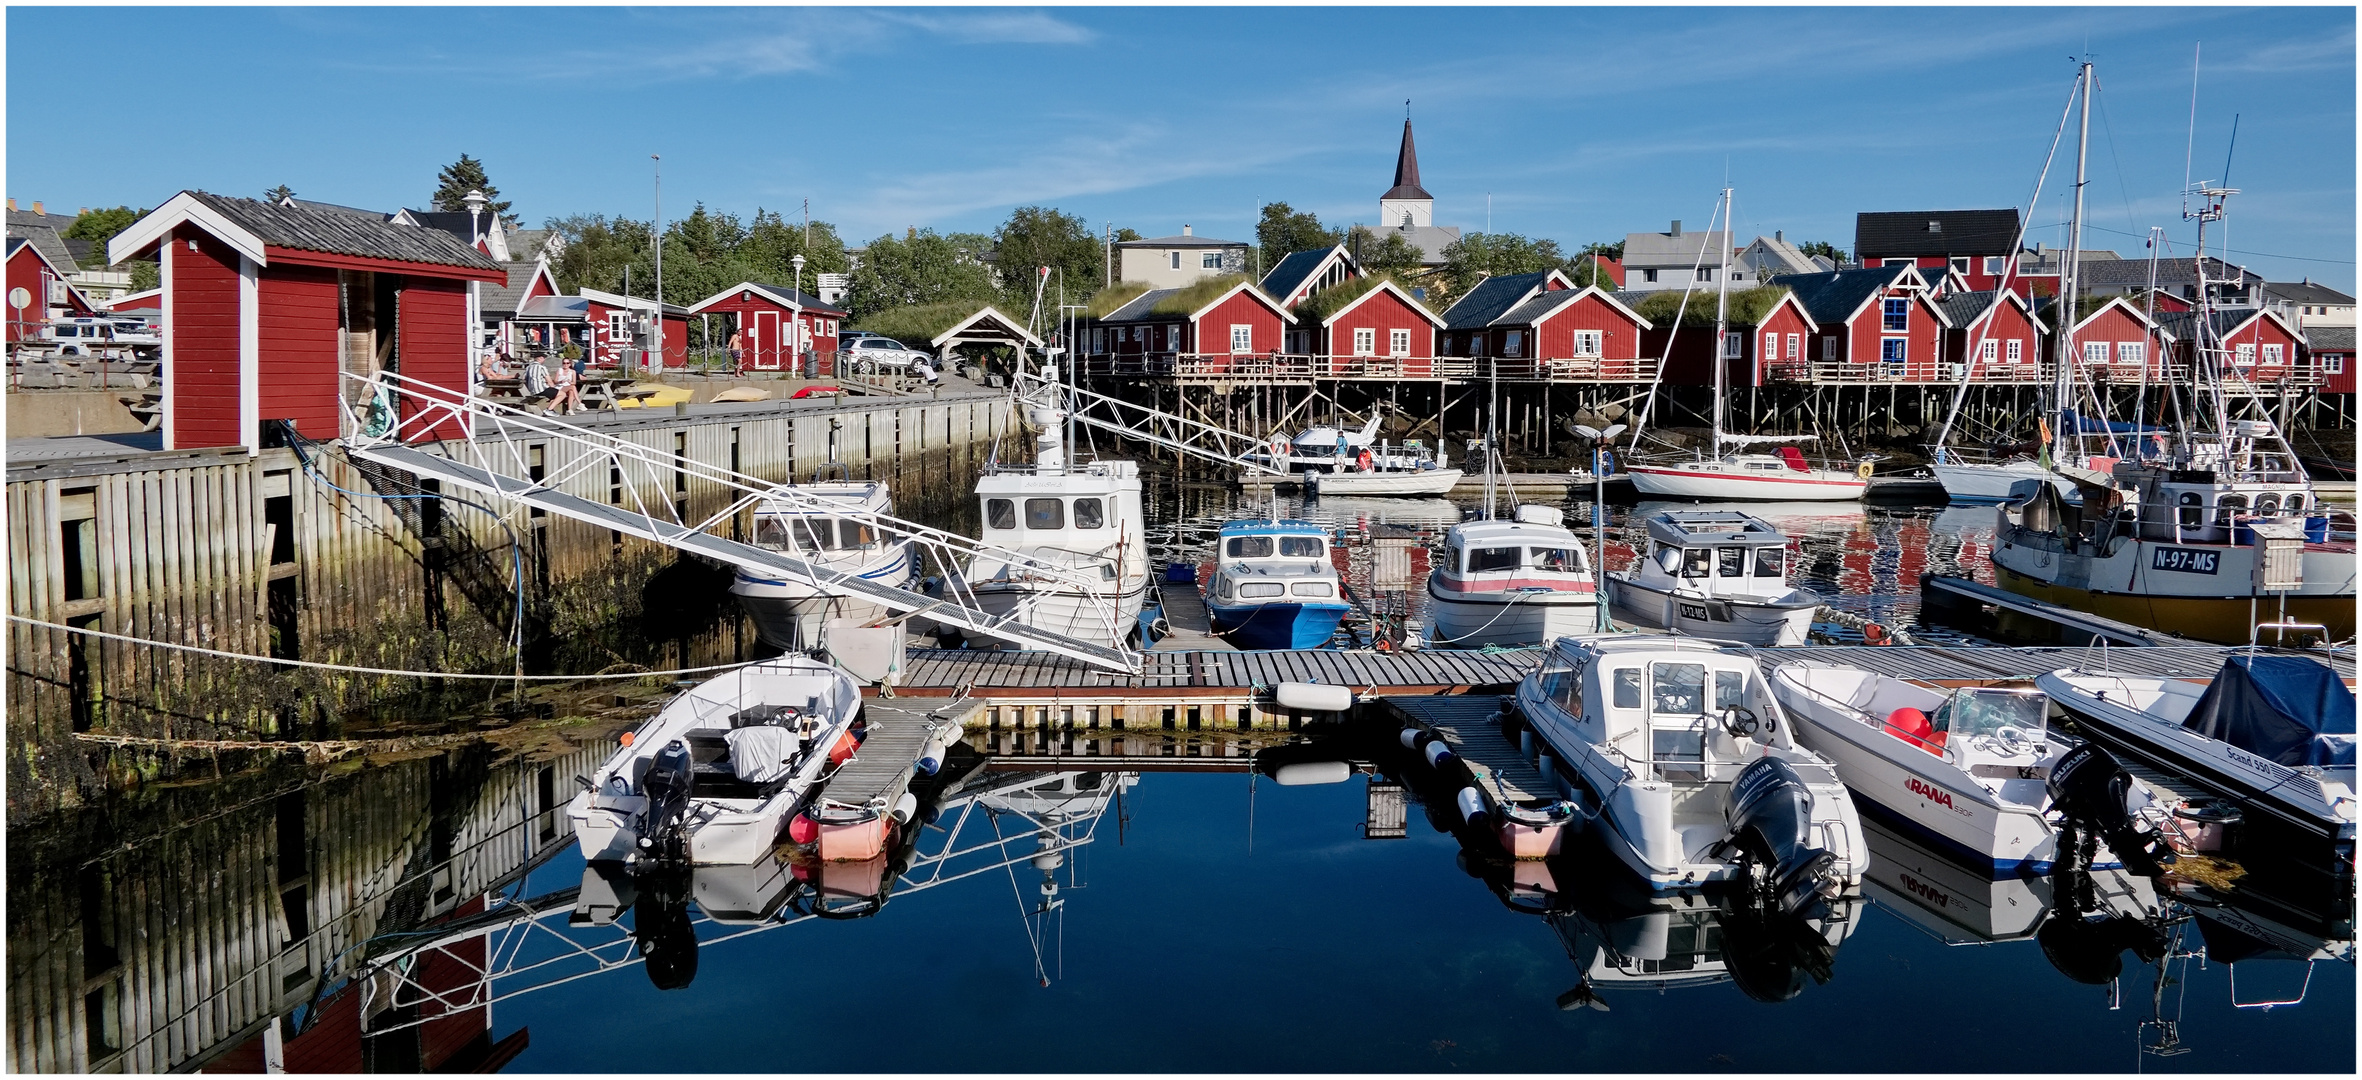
x=1694, y=769
x=1717, y=574
x=2275, y=733
x=713, y=778
x=1966, y=771
x=1274, y=586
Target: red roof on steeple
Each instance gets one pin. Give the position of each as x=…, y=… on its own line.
x=1406, y=170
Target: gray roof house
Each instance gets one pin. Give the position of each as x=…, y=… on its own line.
x=1170, y=262
x=1674, y=259
x=1770, y=256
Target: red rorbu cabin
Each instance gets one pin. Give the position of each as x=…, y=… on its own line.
x=265, y=305
x=2118, y=343
x=1994, y=337
x=1237, y=332
x=775, y=326
x=2330, y=349
x=1758, y=348
x=1384, y=332
x=620, y=322
x=47, y=294
x=1877, y=324
x=2259, y=345
x=1583, y=334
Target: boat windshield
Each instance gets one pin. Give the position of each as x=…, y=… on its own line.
x=1300, y=547
x=1981, y=711
x=1249, y=547
x=1770, y=562
x=804, y=533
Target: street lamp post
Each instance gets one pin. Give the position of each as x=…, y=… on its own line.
x=656, y=319
x=476, y=201
x=1599, y=443
x=802, y=325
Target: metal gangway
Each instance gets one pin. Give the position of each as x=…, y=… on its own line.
x=991, y=822
x=446, y=435
x=1156, y=427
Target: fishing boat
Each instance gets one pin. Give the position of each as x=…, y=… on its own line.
x=714, y=777
x=814, y=526
x=1081, y=519
x=1692, y=770
x=2274, y=733
x=1717, y=574
x=1274, y=586
x=1521, y=581
x=1724, y=471
x=1965, y=770
x=1372, y=480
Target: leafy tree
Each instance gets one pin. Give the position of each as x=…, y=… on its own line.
x=145, y=275
x=1385, y=253
x=1477, y=256
x=922, y=267
x=1284, y=231
x=598, y=249
x=1123, y=235
x=461, y=177
x=1823, y=248
x=1036, y=236
x=1585, y=270
x=772, y=243
x=100, y=226
x=1604, y=250
x=279, y=194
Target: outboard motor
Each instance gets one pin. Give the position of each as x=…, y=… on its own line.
x=661, y=928
x=664, y=825
x=2093, y=794
x=1769, y=956
x=1770, y=813
x=2086, y=944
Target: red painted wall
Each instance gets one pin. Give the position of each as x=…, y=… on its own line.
x=1382, y=313
x=1867, y=330
x=1687, y=365
x=2115, y=326
x=1213, y=328
x=434, y=343
x=26, y=271
x=2337, y=371
x=2261, y=332
x=297, y=350
x=203, y=341
x=608, y=348
x=2005, y=324
x=824, y=329
x=1554, y=338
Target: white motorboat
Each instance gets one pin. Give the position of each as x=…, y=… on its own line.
x=713, y=777
x=1716, y=574
x=1082, y=521
x=1328, y=448
x=789, y=614
x=1524, y=581
x=1965, y=771
x=1405, y=483
x=1691, y=942
x=2273, y=733
x=1990, y=482
x=1693, y=768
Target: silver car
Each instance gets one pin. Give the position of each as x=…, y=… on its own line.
x=872, y=354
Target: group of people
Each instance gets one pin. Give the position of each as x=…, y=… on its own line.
x=559, y=391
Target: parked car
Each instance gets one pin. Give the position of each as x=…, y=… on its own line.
x=878, y=353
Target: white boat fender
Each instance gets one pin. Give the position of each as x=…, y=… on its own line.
x=905, y=808
x=1428, y=746
x=1311, y=772
x=1472, y=809
x=938, y=747
x=1313, y=697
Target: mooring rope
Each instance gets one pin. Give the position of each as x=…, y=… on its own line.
x=358, y=670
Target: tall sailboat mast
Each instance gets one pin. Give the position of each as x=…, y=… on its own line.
x=1721, y=326
x=2071, y=277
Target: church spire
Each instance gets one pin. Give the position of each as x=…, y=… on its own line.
x=1406, y=169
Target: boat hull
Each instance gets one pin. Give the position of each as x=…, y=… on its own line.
x=788, y=614
x=1404, y=484
x=1509, y=619
x=1750, y=622
x=2226, y=620
x=1276, y=626
x=1977, y=483
x=1066, y=611
x=1703, y=481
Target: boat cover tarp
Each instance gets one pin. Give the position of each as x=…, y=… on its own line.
x=2074, y=423
x=2287, y=709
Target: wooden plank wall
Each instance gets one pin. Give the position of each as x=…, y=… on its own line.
x=184, y=556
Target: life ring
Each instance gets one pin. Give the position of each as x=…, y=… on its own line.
x=1279, y=449
x=1862, y=470
x=1366, y=461
x=1873, y=634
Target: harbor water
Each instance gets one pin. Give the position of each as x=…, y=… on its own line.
x=1168, y=910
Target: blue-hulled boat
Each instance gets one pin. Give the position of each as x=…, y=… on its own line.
x=1274, y=586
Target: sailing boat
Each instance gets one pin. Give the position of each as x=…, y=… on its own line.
x=2070, y=442
x=1723, y=476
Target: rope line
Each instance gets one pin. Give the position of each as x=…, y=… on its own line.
x=357, y=670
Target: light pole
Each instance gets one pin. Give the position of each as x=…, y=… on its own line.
x=1599, y=441
x=476, y=202
x=656, y=320
x=797, y=261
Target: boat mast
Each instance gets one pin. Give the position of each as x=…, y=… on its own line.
x=1721, y=326
x=2063, y=380
x=1492, y=427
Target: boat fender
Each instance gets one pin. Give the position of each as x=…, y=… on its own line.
x=1313, y=697
x=1437, y=753
x=1873, y=634
x=1472, y=808
x=842, y=752
x=629, y=737
x=905, y=808
x=1770, y=813
x=1862, y=471
x=1305, y=773
x=938, y=747
x=802, y=829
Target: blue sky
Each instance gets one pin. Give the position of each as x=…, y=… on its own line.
x=1581, y=124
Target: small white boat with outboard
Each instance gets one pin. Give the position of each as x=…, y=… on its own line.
x=714, y=777
x=831, y=525
x=1517, y=582
x=1693, y=769
x=1717, y=574
x=1965, y=770
x=2275, y=733
x=1372, y=481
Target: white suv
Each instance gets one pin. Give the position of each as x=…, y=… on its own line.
x=875, y=353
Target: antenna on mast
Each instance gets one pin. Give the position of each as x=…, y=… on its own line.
x=2190, y=142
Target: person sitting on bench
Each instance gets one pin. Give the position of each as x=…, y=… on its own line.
x=538, y=390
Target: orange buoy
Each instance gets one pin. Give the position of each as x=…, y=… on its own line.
x=627, y=738
x=843, y=751
x=1873, y=634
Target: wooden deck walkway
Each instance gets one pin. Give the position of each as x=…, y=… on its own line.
x=1426, y=670
x=881, y=770
x=1192, y=626
x=1471, y=725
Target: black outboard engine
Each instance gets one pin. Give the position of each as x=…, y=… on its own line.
x=2090, y=791
x=664, y=825
x=661, y=928
x=2086, y=943
x=1770, y=814
x=1770, y=956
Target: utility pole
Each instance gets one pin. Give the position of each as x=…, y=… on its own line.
x=656, y=318
x=1108, y=246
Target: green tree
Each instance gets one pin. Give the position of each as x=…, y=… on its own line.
x=279, y=194
x=461, y=177
x=98, y=227
x=1585, y=270
x=1477, y=256
x=1385, y=252
x=145, y=275
x=773, y=242
x=1823, y=248
x=1604, y=250
x=1037, y=236
x=599, y=249
x=922, y=267
x=1285, y=231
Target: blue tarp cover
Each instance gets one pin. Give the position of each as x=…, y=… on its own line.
x=2073, y=423
x=2287, y=709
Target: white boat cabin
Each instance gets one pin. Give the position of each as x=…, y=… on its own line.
x=1668, y=711
x=801, y=526
x=1089, y=513
x=1533, y=543
x=1717, y=552
x=1268, y=562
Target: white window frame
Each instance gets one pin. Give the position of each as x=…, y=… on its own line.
x=2017, y=350
x=1211, y=260
x=1795, y=346
x=1898, y=262
x=1590, y=343
x=1734, y=346
x=1398, y=343
x=1771, y=345
x=2095, y=352
x=618, y=324
x=1176, y=260
x=1648, y=274
x=1513, y=343
x=1242, y=338
x=2244, y=355
x=1962, y=263
x=2132, y=353
x=1996, y=265
x=2333, y=365
x=1829, y=349
x=2273, y=354
x=1989, y=351
x=1705, y=273
x=1365, y=341
x=1902, y=349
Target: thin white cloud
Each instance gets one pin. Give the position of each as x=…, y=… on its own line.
x=1021, y=28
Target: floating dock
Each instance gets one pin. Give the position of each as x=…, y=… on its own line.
x=1471, y=725
x=881, y=771
x=1984, y=609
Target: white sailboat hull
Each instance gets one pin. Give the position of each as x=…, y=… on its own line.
x=1977, y=483
x=1718, y=480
